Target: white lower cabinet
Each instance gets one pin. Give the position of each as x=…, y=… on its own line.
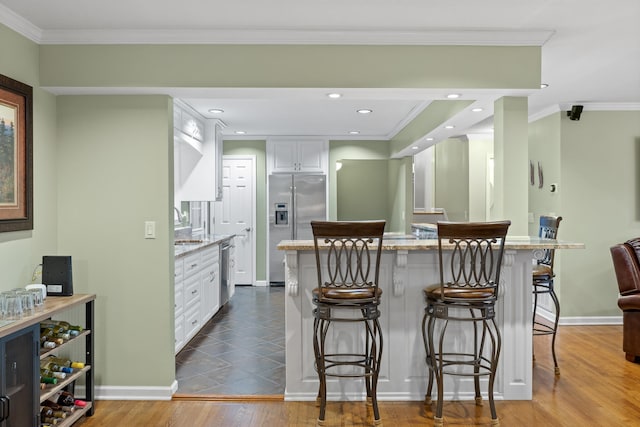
x=210, y=279
x=197, y=292
x=178, y=305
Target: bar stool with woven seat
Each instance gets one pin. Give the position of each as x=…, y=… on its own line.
x=470, y=258
x=348, y=265
x=543, y=283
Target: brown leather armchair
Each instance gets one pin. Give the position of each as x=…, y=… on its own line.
x=626, y=262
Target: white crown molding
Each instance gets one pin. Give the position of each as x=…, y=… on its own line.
x=276, y=36
x=20, y=25
x=544, y=113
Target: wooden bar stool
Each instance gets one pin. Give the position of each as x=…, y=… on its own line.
x=348, y=265
x=470, y=258
x=543, y=284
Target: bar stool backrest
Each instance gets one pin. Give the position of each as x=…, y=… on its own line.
x=353, y=251
x=470, y=256
x=548, y=230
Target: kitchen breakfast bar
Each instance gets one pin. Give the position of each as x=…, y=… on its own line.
x=407, y=266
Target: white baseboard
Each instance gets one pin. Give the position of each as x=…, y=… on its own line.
x=581, y=320
x=135, y=393
x=262, y=283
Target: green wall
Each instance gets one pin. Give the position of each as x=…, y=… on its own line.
x=599, y=199
x=354, y=150
x=362, y=192
x=22, y=251
x=452, y=178
x=544, y=149
x=116, y=172
x=328, y=66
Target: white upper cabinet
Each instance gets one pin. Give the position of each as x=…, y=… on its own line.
x=297, y=155
x=197, y=160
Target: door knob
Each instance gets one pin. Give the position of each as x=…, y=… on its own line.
x=247, y=229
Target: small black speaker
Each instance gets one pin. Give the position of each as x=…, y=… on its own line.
x=57, y=276
x=575, y=112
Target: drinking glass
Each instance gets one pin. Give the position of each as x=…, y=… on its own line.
x=38, y=300
x=2, y=305
x=13, y=306
x=28, y=306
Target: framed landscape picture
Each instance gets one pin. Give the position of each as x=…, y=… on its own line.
x=16, y=155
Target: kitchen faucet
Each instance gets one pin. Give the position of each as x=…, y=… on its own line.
x=179, y=214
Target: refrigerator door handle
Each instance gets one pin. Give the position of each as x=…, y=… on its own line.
x=293, y=220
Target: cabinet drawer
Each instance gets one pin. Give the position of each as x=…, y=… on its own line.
x=178, y=301
x=178, y=271
x=192, y=321
x=191, y=291
x=210, y=254
x=191, y=264
x=179, y=333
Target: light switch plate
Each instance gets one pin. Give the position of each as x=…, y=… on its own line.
x=149, y=229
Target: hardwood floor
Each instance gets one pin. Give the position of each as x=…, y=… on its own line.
x=597, y=387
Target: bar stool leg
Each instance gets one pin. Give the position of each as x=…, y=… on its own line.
x=496, y=344
x=477, y=357
x=533, y=319
x=375, y=359
x=554, y=297
x=427, y=396
x=320, y=332
x=438, y=372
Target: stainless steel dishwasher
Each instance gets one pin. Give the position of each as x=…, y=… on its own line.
x=225, y=247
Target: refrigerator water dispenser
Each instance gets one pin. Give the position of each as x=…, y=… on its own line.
x=281, y=214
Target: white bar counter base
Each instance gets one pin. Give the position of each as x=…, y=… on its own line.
x=406, y=267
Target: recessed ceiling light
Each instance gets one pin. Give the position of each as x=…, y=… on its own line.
x=216, y=111
x=449, y=127
x=240, y=132
x=364, y=111
x=453, y=95
x=476, y=110
x=430, y=139
x=334, y=95
x=543, y=85
x=415, y=147
x=354, y=132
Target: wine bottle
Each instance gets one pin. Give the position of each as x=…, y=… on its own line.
x=45, y=411
x=59, y=414
x=49, y=345
x=66, y=362
x=49, y=334
x=55, y=407
x=51, y=404
x=65, y=399
x=50, y=420
x=48, y=380
x=71, y=328
x=52, y=374
x=47, y=364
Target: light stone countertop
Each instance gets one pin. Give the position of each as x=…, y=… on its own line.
x=514, y=243
x=184, y=249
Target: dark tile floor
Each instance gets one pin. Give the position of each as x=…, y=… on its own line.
x=241, y=350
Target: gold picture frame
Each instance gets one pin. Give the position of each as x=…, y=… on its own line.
x=16, y=155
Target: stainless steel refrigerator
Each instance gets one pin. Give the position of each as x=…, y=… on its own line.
x=294, y=201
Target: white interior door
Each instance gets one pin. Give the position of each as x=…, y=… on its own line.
x=235, y=214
